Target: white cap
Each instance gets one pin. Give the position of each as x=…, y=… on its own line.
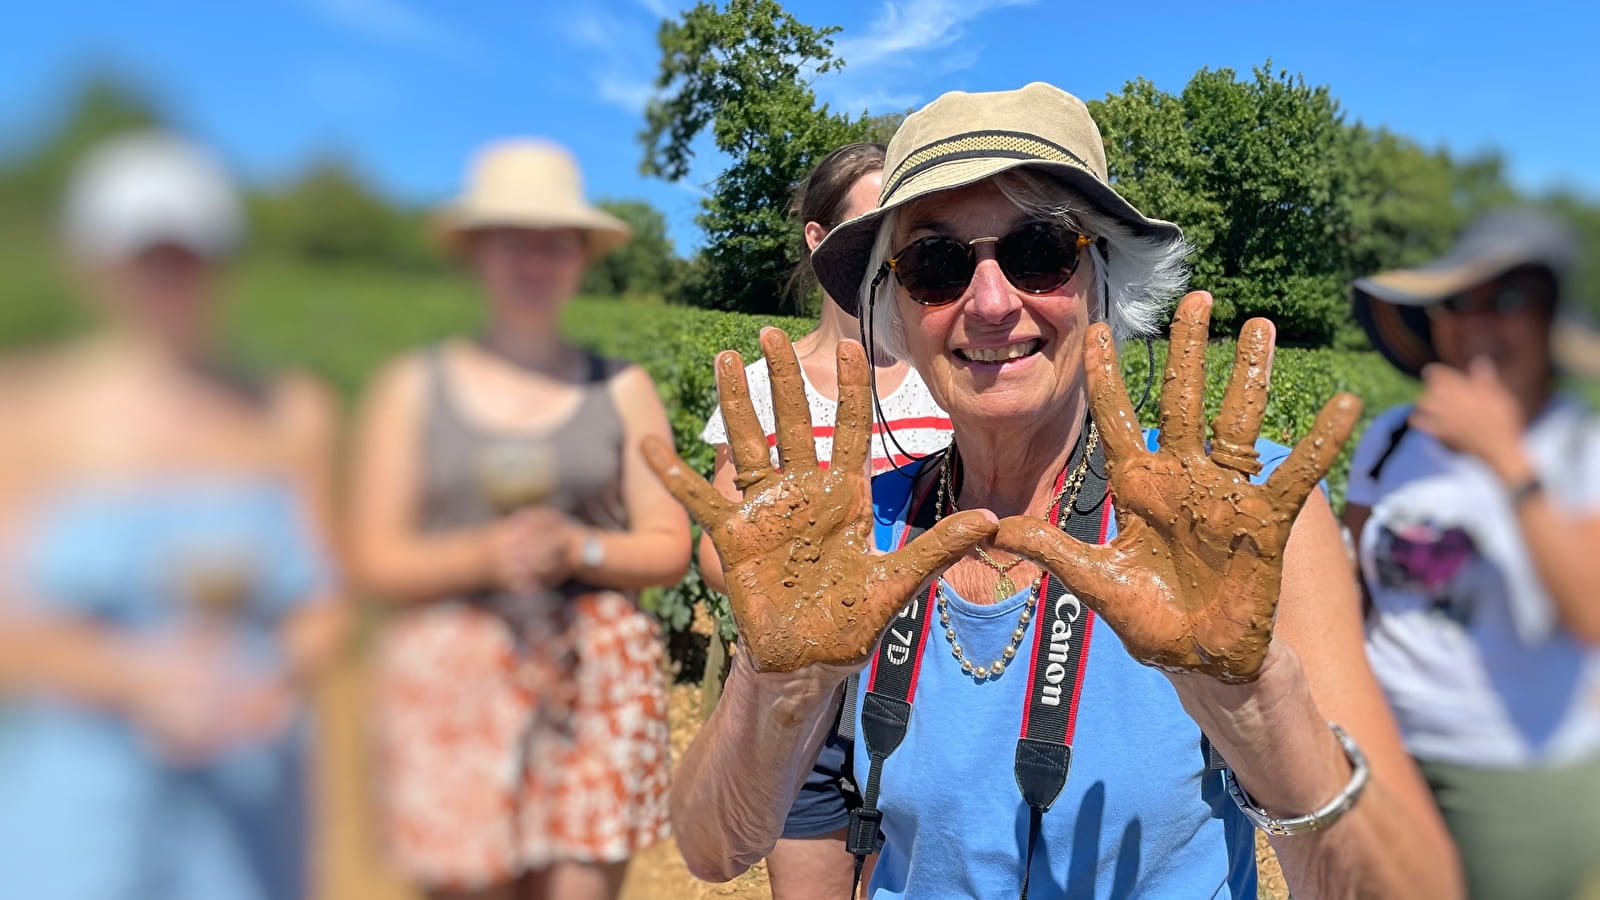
x=139, y=190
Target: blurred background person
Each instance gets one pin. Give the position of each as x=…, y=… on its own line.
x=500, y=498
x=1476, y=513
x=810, y=860
x=167, y=586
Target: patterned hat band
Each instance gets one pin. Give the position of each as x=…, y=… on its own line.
x=1017, y=145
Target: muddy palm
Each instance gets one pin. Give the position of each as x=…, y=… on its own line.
x=1191, y=581
x=804, y=582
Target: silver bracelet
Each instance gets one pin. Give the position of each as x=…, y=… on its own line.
x=1330, y=812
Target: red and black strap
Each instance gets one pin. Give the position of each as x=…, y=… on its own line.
x=1055, y=675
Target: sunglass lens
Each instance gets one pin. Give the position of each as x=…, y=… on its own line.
x=1039, y=257
x=935, y=270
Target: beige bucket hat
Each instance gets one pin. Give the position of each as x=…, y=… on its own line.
x=1392, y=306
x=963, y=138
x=529, y=183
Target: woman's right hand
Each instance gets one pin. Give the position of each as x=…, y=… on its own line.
x=527, y=549
x=804, y=581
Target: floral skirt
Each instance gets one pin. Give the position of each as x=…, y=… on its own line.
x=497, y=761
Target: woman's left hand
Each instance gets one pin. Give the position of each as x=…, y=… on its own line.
x=1470, y=412
x=1191, y=581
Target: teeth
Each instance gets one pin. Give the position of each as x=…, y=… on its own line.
x=1001, y=354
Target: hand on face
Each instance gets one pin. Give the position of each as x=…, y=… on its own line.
x=1470, y=412
x=804, y=581
x=1191, y=581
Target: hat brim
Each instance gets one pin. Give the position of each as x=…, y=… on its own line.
x=603, y=232
x=1427, y=285
x=1392, y=306
x=840, y=261
x=1576, y=348
x=1402, y=332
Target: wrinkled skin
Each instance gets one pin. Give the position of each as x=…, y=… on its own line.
x=1190, y=583
x=804, y=582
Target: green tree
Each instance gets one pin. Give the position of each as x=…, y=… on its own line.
x=100, y=108
x=646, y=266
x=1284, y=201
x=742, y=74
x=329, y=213
x=1257, y=173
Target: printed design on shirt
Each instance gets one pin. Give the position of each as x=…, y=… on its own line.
x=1427, y=558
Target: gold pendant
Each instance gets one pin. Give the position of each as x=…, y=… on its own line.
x=1004, y=588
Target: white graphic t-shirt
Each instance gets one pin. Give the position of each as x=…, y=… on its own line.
x=917, y=424
x=1462, y=635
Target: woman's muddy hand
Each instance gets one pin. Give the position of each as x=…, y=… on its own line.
x=1191, y=581
x=805, y=583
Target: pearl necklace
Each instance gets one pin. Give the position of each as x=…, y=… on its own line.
x=1003, y=587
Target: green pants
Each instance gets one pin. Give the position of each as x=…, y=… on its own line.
x=1524, y=834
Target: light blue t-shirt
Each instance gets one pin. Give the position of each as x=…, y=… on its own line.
x=1141, y=814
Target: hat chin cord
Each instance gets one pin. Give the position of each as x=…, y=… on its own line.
x=868, y=333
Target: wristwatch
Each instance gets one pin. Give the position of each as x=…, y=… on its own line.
x=1330, y=812
x=1522, y=493
x=593, y=554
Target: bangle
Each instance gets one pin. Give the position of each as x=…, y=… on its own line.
x=1328, y=814
x=1525, y=491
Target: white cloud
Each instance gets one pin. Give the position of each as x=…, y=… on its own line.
x=887, y=65
x=396, y=22
x=594, y=28
x=624, y=54
x=627, y=94
x=872, y=99
x=915, y=25
x=658, y=8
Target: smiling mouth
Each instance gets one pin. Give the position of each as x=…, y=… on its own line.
x=1001, y=354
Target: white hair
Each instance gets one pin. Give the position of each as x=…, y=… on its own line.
x=1134, y=276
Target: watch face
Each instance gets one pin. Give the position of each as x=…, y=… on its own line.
x=593, y=553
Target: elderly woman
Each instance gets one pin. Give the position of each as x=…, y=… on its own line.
x=1000, y=263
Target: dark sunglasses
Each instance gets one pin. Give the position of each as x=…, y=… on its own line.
x=1038, y=257
x=1509, y=298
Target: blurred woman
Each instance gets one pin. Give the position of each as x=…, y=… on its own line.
x=810, y=860
x=501, y=499
x=1477, y=515
x=167, y=585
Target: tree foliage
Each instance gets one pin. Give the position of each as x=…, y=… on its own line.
x=100, y=108
x=329, y=213
x=741, y=74
x=646, y=266
x=1283, y=201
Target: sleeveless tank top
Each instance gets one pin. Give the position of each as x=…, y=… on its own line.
x=583, y=455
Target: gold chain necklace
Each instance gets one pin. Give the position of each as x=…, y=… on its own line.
x=1003, y=587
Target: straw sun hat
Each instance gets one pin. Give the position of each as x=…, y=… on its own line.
x=529, y=183
x=961, y=139
x=1393, y=306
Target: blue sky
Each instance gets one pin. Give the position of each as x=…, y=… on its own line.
x=410, y=87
